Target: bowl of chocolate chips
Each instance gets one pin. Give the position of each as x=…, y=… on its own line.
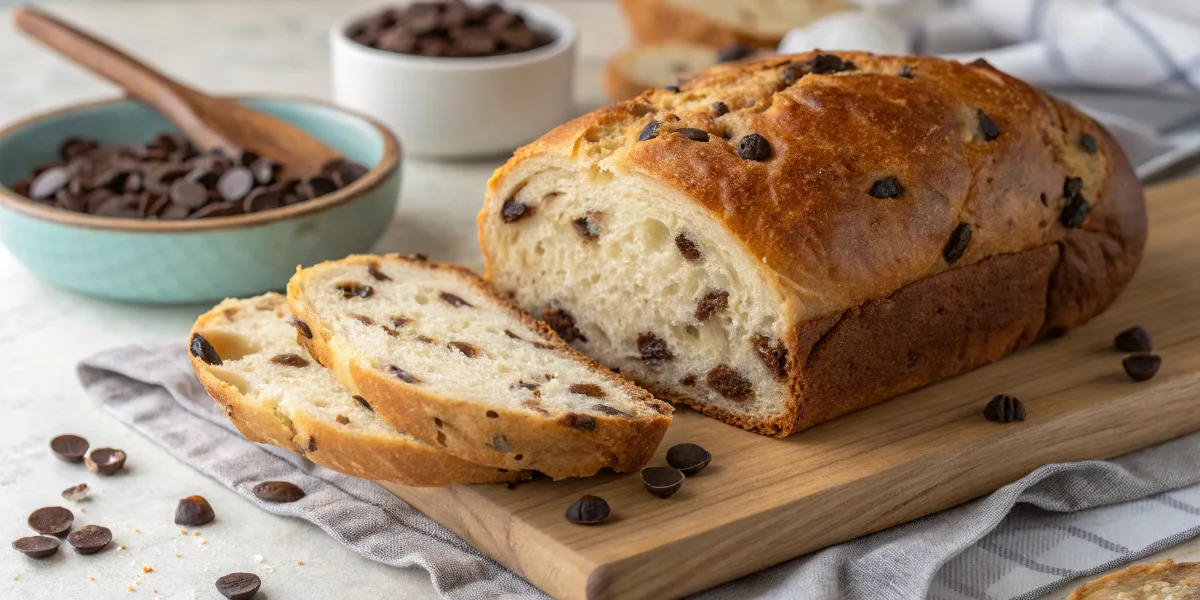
x=108, y=199
x=455, y=78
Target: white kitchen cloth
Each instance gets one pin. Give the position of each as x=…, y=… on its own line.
x=1060, y=522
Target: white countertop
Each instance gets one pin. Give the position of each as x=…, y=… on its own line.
x=221, y=46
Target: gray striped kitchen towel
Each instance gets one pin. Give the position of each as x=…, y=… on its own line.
x=1060, y=522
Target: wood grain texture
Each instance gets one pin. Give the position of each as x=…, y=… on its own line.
x=764, y=500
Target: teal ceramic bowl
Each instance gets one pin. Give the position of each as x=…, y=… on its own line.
x=206, y=259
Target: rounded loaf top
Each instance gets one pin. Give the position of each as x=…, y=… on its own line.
x=850, y=175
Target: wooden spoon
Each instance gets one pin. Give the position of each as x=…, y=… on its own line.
x=207, y=121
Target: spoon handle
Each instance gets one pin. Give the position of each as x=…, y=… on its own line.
x=172, y=99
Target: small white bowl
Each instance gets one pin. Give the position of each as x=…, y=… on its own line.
x=459, y=107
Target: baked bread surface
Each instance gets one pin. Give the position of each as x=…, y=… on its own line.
x=631, y=72
x=1162, y=580
x=761, y=23
x=913, y=218
x=275, y=393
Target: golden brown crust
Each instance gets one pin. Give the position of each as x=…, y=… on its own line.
x=617, y=83
x=1162, y=580
x=659, y=21
x=543, y=444
x=381, y=457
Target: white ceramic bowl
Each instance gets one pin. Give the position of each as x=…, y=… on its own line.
x=459, y=107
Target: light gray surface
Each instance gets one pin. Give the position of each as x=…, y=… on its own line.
x=222, y=46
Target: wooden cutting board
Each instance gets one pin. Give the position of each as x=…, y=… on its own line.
x=763, y=500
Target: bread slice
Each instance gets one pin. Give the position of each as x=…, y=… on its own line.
x=276, y=394
x=761, y=23
x=640, y=68
x=1163, y=580
x=440, y=354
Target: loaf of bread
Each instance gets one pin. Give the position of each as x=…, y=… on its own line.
x=760, y=23
x=786, y=240
x=441, y=355
x=640, y=68
x=1163, y=580
x=246, y=355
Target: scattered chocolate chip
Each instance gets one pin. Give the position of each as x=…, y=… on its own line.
x=720, y=109
x=1004, y=409
x=441, y=439
x=90, y=539
x=523, y=385
x=674, y=89
x=650, y=131
x=69, y=448
x=202, y=349
x=342, y=419
x=402, y=375
x=887, y=187
x=688, y=248
x=468, y=350
x=906, y=72
x=353, y=289
x=729, y=383
x=691, y=133
x=373, y=269
x=772, y=355
x=1072, y=186
x=688, y=380
x=424, y=339
x=514, y=211
x=987, y=126
x=51, y=520
x=235, y=183
x=278, y=491
x=289, y=360
x=754, y=147
x=188, y=194
x=690, y=459
x=76, y=493
x=363, y=401
x=827, y=64
x=491, y=414
x=712, y=303
x=580, y=421
x=587, y=389
x=587, y=230
x=1088, y=143
x=266, y=170
x=662, y=482
x=957, y=245
x=312, y=444
x=194, y=510
x=239, y=586
x=1134, y=339
x=608, y=410
x=563, y=323
x=500, y=444
x=453, y=300
x=302, y=327
x=364, y=319
x=653, y=348
x=399, y=322
x=791, y=74
x=588, y=510
x=105, y=461
x=1141, y=366
x=1074, y=212
x=732, y=52
x=36, y=546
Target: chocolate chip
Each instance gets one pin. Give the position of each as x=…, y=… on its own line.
x=402, y=375
x=302, y=327
x=36, y=546
x=278, y=491
x=712, y=303
x=690, y=459
x=514, y=211
x=732, y=52
x=887, y=187
x=791, y=74
x=188, y=194
x=260, y=199
x=363, y=401
x=105, y=461
x=957, y=245
x=653, y=348
x=194, y=510
x=729, y=383
x=265, y=171
x=688, y=380
x=424, y=339
x=76, y=493
x=1004, y=409
x=353, y=289
x=373, y=269
x=289, y=360
x=688, y=248
x=580, y=421
x=468, y=350
x=491, y=414
x=587, y=389
x=563, y=323
x=1134, y=339
x=453, y=300
x=1088, y=143
x=90, y=539
x=691, y=133
x=69, y=448
x=239, y=586
x=401, y=321
x=51, y=520
x=987, y=126
x=1142, y=366
x=217, y=209
x=662, y=482
x=342, y=419
x=523, y=385
x=608, y=410
x=650, y=131
x=1074, y=212
x=364, y=319
x=754, y=147
x=827, y=64
x=1072, y=186
x=720, y=109
x=772, y=355
x=202, y=349
x=48, y=183
x=906, y=72
x=587, y=230
x=588, y=510
x=674, y=89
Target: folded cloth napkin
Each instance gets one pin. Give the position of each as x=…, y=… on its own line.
x=1058, y=523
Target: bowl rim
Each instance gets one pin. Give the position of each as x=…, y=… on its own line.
x=388, y=164
x=565, y=30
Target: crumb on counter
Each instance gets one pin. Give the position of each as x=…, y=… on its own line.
x=300, y=562
x=129, y=587
x=147, y=569
x=177, y=555
x=196, y=533
x=90, y=578
x=122, y=547
x=137, y=530
x=182, y=532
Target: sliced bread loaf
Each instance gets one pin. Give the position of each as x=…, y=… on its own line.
x=761, y=23
x=246, y=356
x=441, y=355
x=640, y=68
